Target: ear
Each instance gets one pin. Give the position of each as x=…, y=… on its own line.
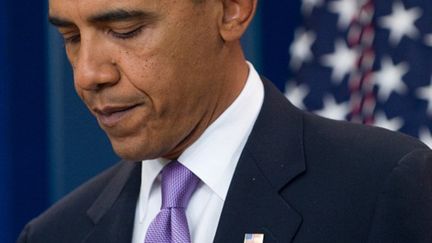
x=237, y=15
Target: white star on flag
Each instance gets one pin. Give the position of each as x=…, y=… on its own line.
x=342, y=61
x=308, y=5
x=394, y=124
x=389, y=78
x=369, y=59
x=300, y=50
x=425, y=93
x=347, y=10
x=401, y=22
x=296, y=94
x=426, y=136
x=333, y=110
x=428, y=40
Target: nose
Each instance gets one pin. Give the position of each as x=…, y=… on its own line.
x=94, y=67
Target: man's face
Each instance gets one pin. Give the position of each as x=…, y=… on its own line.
x=149, y=70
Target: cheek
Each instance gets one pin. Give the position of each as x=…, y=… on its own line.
x=167, y=73
x=152, y=75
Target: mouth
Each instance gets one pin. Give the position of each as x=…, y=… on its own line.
x=109, y=116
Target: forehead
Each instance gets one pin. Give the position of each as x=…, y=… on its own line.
x=83, y=9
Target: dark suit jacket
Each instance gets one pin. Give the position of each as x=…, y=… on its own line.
x=300, y=178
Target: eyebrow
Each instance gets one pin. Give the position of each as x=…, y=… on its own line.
x=121, y=15
x=106, y=17
x=59, y=22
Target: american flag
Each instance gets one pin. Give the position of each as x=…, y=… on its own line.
x=254, y=238
x=367, y=61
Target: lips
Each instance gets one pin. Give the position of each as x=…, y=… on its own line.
x=109, y=116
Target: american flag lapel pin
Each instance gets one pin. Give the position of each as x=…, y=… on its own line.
x=254, y=238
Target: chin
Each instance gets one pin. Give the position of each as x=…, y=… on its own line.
x=133, y=153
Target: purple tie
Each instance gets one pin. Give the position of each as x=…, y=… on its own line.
x=170, y=225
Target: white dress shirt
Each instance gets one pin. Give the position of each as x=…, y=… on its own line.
x=213, y=158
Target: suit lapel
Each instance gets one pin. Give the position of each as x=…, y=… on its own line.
x=272, y=158
x=113, y=211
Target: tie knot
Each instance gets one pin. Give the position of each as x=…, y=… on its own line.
x=178, y=184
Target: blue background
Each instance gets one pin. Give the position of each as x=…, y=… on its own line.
x=49, y=143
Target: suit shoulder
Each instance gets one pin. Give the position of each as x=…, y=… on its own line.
x=86, y=193
x=358, y=138
x=355, y=149
x=70, y=211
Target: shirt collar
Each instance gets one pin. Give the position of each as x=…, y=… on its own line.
x=150, y=170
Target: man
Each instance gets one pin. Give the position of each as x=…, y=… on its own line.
x=168, y=83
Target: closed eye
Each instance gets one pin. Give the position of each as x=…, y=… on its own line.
x=127, y=35
x=72, y=39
